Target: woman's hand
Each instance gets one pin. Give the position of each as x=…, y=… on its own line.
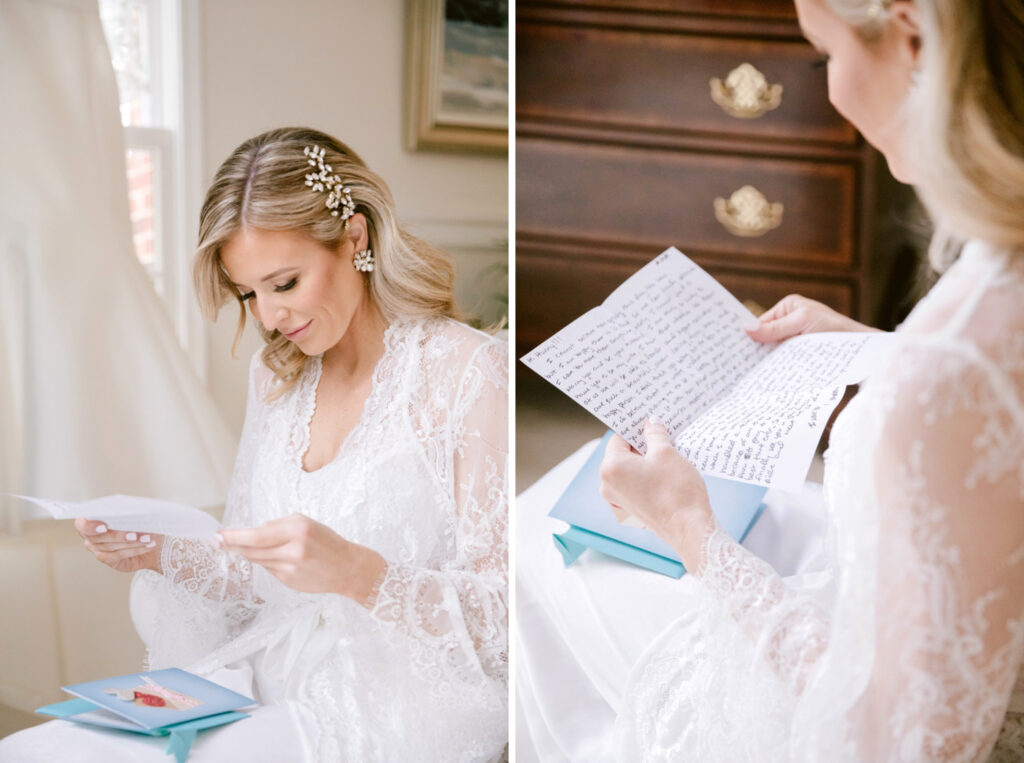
x=795, y=315
x=310, y=557
x=122, y=551
x=662, y=489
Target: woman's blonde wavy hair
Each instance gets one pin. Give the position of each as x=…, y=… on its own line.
x=966, y=133
x=263, y=185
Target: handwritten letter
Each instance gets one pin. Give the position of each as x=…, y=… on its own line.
x=669, y=343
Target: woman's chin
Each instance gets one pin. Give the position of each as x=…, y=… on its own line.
x=899, y=169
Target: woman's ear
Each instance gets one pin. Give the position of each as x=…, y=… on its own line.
x=357, y=231
x=905, y=17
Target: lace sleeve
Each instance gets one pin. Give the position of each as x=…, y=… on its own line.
x=457, y=616
x=203, y=597
x=789, y=632
x=919, y=656
x=949, y=631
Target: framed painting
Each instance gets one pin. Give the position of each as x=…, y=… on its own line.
x=457, y=84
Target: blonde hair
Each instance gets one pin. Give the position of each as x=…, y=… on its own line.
x=967, y=129
x=263, y=185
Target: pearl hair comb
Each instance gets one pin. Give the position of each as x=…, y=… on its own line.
x=339, y=196
x=878, y=7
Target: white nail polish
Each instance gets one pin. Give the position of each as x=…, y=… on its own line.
x=151, y=544
x=131, y=536
x=100, y=529
x=752, y=325
x=144, y=539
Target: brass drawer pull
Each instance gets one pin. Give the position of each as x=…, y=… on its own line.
x=745, y=94
x=748, y=213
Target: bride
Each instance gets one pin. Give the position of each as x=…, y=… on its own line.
x=360, y=595
x=906, y=643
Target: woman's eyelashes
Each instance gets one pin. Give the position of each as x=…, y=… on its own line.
x=823, y=59
x=246, y=296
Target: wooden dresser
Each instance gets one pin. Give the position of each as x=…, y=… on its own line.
x=703, y=124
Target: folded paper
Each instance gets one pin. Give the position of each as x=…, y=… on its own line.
x=134, y=514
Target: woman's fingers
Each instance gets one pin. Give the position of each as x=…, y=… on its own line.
x=118, y=546
x=89, y=527
x=618, y=446
x=113, y=557
x=784, y=326
x=656, y=435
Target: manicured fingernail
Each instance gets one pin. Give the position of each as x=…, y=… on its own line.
x=151, y=544
x=655, y=420
x=144, y=539
x=752, y=325
x=100, y=529
x=130, y=536
x=217, y=540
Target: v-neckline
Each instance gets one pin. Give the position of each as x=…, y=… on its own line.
x=310, y=401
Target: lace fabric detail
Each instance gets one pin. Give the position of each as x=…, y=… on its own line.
x=791, y=633
x=422, y=479
x=908, y=647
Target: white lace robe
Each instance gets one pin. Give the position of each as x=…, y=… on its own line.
x=422, y=480
x=909, y=649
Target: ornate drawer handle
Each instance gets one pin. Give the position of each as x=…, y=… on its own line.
x=745, y=93
x=748, y=213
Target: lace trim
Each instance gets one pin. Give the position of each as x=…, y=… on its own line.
x=422, y=479
x=306, y=397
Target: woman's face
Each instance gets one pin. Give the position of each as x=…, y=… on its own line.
x=868, y=81
x=296, y=286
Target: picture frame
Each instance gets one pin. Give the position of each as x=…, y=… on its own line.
x=457, y=76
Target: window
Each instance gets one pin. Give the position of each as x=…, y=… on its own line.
x=147, y=43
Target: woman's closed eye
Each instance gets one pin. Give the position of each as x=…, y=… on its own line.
x=822, y=61
x=246, y=296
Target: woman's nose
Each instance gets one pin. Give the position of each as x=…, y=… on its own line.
x=273, y=314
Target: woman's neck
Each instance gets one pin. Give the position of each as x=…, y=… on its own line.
x=357, y=353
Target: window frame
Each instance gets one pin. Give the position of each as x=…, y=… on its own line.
x=174, y=41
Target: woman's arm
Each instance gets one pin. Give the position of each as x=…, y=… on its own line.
x=459, y=613
x=941, y=561
x=194, y=596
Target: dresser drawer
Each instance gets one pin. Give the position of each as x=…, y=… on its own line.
x=644, y=80
x=643, y=198
x=759, y=9
x=760, y=292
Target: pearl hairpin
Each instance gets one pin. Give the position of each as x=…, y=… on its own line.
x=877, y=8
x=338, y=194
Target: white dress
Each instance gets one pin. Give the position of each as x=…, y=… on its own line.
x=96, y=394
x=902, y=641
x=422, y=480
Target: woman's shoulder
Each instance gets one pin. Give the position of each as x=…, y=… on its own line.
x=968, y=331
x=454, y=343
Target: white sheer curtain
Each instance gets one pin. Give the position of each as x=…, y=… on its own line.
x=96, y=394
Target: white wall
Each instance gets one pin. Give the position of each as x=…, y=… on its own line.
x=339, y=66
